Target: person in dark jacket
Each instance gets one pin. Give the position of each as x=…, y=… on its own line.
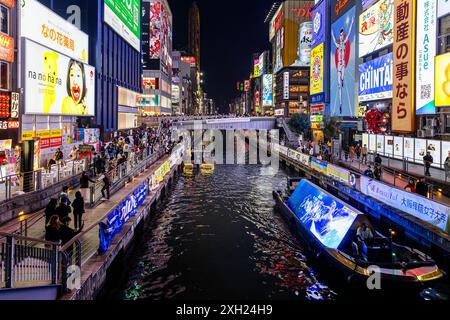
x=78, y=209
x=63, y=210
x=427, y=161
x=66, y=233
x=65, y=195
x=377, y=173
x=50, y=210
x=369, y=173
x=84, y=184
x=106, y=185
x=52, y=229
x=422, y=188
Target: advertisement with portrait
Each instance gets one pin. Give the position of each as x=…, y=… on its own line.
x=319, y=21
x=343, y=65
x=40, y=24
x=427, y=210
x=426, y=52
x=156, y=29
x=434, y=148
x=389, y=146
x=420, y=147
x=365, y=140
x=317, y=70
x=398, y=147
x=124, y=18
x=380, y=144
x=267, y=96
x=325, y=216
x=442, y=80
x=376, y=27
x=56, y=84
x=375, y=79
x=403, y=103
x=408, y=148
x=445, y=150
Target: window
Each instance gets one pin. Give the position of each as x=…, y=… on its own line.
x=4, y=81
x=4, y=20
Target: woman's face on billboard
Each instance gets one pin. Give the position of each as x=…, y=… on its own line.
x=76, y=82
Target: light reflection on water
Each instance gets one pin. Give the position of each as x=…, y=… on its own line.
x=217, y=237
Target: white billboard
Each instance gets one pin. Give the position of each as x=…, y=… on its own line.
x=443, y=8
x=426, y=52
x=267, y=96
x=40, y=24
x=56, y=84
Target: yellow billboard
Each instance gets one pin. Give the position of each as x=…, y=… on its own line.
x=442, y=79
x=316, y=74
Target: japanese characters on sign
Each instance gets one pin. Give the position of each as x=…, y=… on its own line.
x=403, y=109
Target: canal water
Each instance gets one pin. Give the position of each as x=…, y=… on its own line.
x=217, y=236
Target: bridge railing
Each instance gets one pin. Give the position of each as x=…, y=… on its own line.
x=26, y=262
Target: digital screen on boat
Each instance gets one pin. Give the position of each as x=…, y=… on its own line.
x=326, y=217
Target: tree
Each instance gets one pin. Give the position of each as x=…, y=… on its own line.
x=299, y=123
x=330, y=129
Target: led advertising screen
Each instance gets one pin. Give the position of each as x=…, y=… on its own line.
x=427, y=210
x=56, y=84
x=408, y=148
x=376, y=27
x=319, y=21
x=124, y=18
x=426, y=52
x=375, y=79
x=343, y=64
x=267, y=96
x=398, y=147
x=442, y=80
x=326, y=217
x=261, y=64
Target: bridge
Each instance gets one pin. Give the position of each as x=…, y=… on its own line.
x=232, y=123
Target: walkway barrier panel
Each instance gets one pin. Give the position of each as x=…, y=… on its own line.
x=26, y=262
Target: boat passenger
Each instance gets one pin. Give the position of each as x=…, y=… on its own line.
x=364, y=233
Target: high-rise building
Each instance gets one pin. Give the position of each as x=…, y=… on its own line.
x=194, y=33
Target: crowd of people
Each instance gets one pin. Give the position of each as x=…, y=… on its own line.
x=104, y=164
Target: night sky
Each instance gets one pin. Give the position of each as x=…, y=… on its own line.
x=231, y=31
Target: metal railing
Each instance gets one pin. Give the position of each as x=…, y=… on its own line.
x=27, y=262
x=26, y=182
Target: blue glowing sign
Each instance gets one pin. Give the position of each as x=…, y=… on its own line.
x=375, y=79
x=121, y=214
x=325, y=216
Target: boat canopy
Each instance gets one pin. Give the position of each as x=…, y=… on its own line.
x=328, y=218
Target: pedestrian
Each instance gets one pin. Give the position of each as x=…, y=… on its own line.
x=447, y=166
x=422, y=188
x=59, y=155
x=365, y=153
x=352, y=153
x=66, y=233
x=377, y=173
x=369, y=173
x=63, y=210
x=106, y=186
x=50, y=210
x=65, y=195
x=52, y=229
x=358, y=151
x=427, y=161
x=84, y=185
x=378, y=160
x=78, y=209
x=50, y=163
x=411, y=186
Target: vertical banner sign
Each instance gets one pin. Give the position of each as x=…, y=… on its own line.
x=426, y=52
x=267, y=96
x=319, y=23
x=316, y=73
x=246, y=85
x=286, y=85
x=403, y=109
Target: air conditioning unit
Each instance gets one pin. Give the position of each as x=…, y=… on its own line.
x=421, y=133
x=429, y=133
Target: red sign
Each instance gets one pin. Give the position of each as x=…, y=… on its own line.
x=317, y=108
x=6, y=48
x=4, y=105
x=190, y=60
x=8, y=3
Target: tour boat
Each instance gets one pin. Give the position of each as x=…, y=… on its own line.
x=329, y=227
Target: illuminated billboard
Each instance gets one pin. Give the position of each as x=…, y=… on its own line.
x=376, y=27
x=343, y=65
x=426, y=52
x=319, y=22
x=375, y=79
x=326, y=217
x=442, y=81
x=124, y=18
x=267, y=96
x=317, y=70
x=403, y=102
x=56, y=84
